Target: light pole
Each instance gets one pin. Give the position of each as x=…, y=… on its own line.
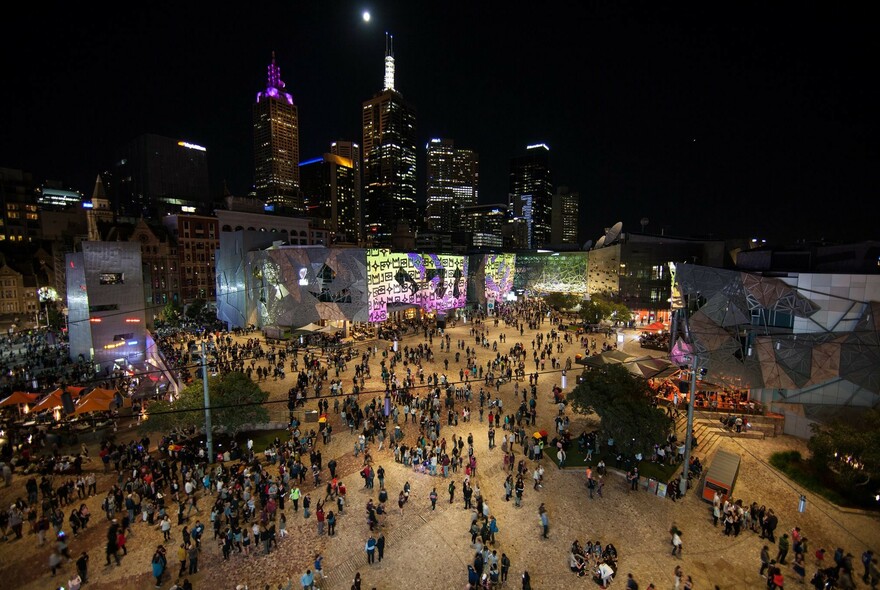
x=688, y=439
x=209, y=439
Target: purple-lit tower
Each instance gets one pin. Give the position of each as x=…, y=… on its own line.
x=276, y=146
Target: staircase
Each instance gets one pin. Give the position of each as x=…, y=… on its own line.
x=710, y=432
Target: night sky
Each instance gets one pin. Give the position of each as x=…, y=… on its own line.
x=731, y=120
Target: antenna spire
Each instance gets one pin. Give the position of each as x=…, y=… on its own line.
x=389, y=62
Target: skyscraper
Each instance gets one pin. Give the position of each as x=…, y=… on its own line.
x=328, y=192
x=276, y=145
x=352, y=151
x=452, y=180
x=531, y=193
x=160, y=176
x=389, y=150
x=565, y=216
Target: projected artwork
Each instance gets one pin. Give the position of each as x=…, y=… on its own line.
x=563, y=272
x=500, y=269
x=434, y=282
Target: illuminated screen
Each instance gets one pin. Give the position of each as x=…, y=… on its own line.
x=539, y=274
x=500, y=269
x=434, y=282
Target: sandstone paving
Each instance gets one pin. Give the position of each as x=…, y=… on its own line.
x=431, y=549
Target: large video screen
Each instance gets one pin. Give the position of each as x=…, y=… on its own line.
x=434, y=282
x=500, y=269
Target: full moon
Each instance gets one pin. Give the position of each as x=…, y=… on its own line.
x=366, y=16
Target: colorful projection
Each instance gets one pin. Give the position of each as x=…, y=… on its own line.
x=500, y=269
x=434, y=282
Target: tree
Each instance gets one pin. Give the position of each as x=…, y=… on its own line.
x=561, y=301
x=595, y=310
x=235, y=399
x=849, y=449
x=620, y=312
x=171, y=313
x=195, y=309
x=623, y=403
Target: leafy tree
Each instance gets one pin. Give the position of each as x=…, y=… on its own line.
x=623, y=403
x=196, y=309
x=595, y=310
x=849, y=449
x=235, y=398
x=620, y=312
x=561, y=301
x=171, y=313
x=55, y=317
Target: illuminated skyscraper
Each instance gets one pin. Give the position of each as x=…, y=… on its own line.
x=531, y=193
x=389, y=150
x=328, y=192
x=453, y=176
x=352, y=151
x=276, y=145
x=565, y=216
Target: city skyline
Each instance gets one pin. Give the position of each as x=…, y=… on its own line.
x=739, y=124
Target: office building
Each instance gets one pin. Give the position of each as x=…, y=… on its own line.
x=19, y=211
x=531, y=192
x=389, y=152
x=276, y=145
x=485, y=224
x=452, y=179
x=564, y=217
x=328, y=194
x=161, y=176
x=352, y=151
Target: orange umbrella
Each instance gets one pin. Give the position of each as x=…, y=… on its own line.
x=51, y=401
x=19, y=398
x=93, y=405
x=73, y=390
x=99, y=393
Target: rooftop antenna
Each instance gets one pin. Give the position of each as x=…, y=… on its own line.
x=389, y=62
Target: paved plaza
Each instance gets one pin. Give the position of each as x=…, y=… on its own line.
x=431, y=549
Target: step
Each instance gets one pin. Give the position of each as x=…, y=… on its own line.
x=751, y=434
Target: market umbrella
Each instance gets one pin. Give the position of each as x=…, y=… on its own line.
x=19, y=398
x=99, y=393
x=93, y=405
x=655, y=327
x=51, y=401
x=74, y=390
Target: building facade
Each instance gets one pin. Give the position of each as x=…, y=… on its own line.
x=197, y=238
x=159, y=176
x=329, y=196
x=452, y=183
x=531, y=193
x=389, y=152
x=19, y=211
x=352, y=151
x=485, y=224
x=565, y=217
x=276, y=145
x=105, y=301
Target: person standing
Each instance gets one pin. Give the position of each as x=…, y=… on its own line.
x=631, y=583
x=545, y=520
x=676, y=577
x=783, y=549
x=765, y=560
x=294, y=497
x=505, y=567
x=433, y=497
x=526, y=581
x=380, y=545
x=451, y=491
x=370, y=548
x=82, y=566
